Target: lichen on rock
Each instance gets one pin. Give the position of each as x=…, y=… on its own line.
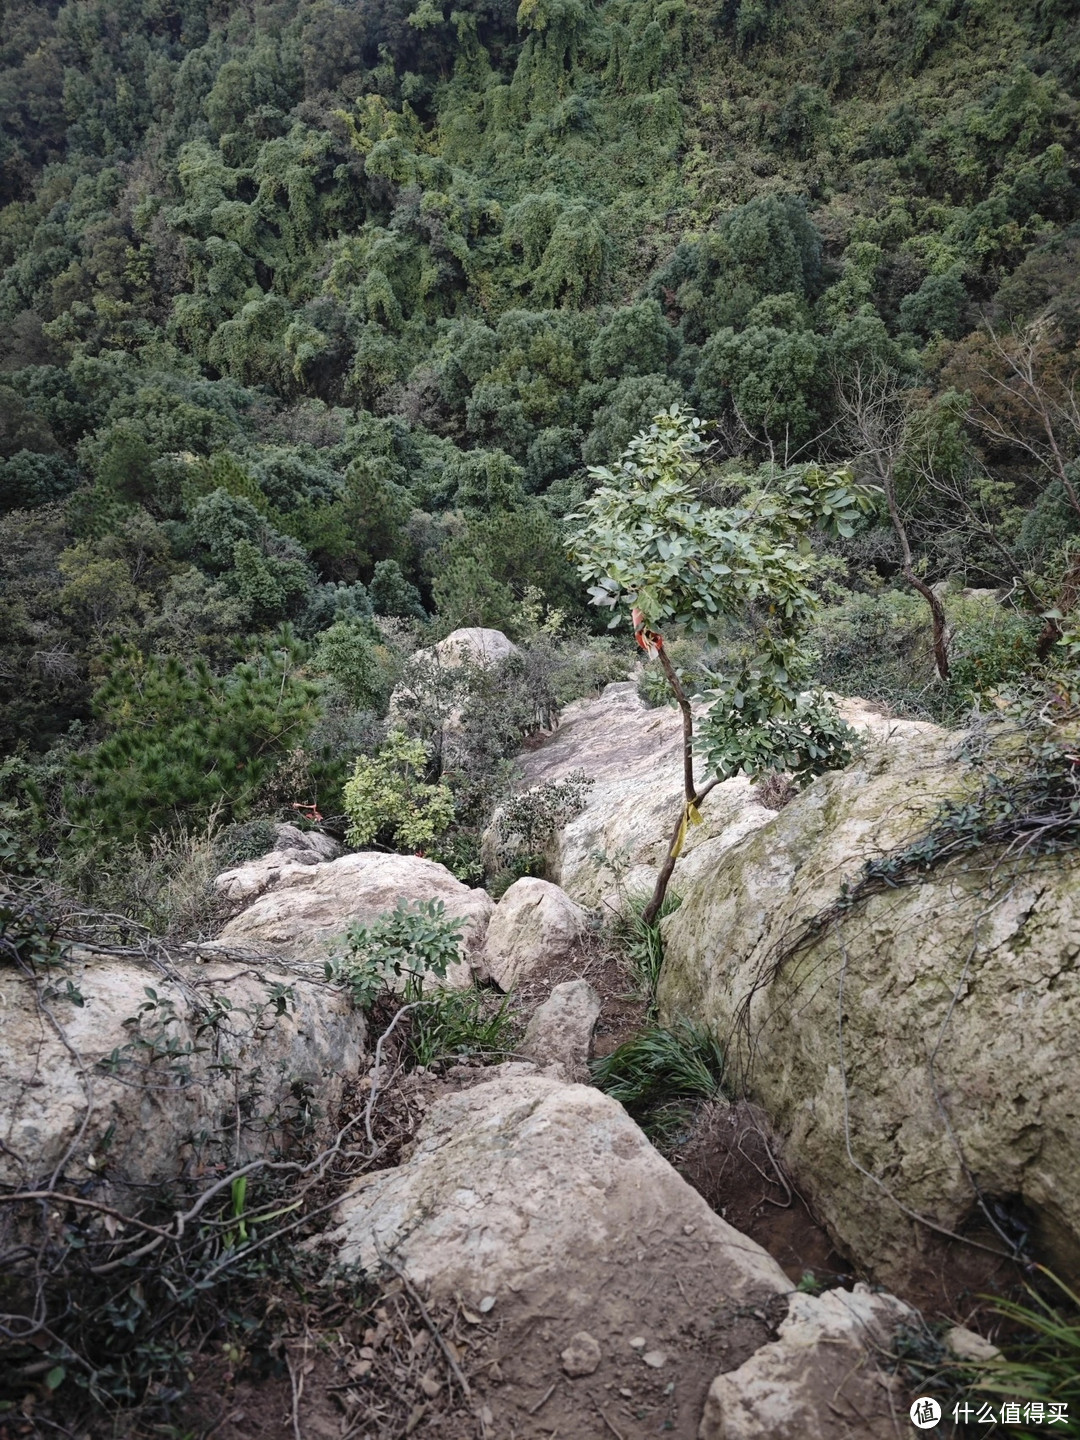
x=916, y=1054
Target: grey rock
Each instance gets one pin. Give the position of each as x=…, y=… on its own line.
x=548, y=1194
x=528, y=1183
x=966, y=1345
x=633, y=756
x=476, y=644
x=960, y=1006
x=307, y=907
x=165, y=1117
x=582, y=1354
x=534, y=922
x=559, y=1032
x=818, y=1379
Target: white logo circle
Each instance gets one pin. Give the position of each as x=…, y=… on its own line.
x=925, y=1412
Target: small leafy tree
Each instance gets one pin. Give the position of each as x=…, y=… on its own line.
x=650, y=549
x=413, y=942
x=388, y=801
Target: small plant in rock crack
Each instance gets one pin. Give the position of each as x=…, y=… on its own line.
x=411, y=943
x=642, y=942
x=459, y=1024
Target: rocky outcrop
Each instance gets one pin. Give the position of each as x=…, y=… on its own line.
x=559, y=1032
x=293, y=849
x=135, y=1077
x=633, y=756
x=919, y=1047
x=533, y=923
x=817, y=1377
x=303, y=913
x=609, y=1275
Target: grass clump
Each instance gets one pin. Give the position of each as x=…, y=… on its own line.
x=658, y=1072
x=1042, y=1363
x=459, y=1024
x=1035, y=1382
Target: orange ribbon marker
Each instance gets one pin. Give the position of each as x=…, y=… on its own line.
x=648, y=640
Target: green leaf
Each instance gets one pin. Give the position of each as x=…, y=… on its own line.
x=55, y=1378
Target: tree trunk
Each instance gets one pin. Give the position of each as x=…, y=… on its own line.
x=937, y=610
x=691, y=795
x=937, y=620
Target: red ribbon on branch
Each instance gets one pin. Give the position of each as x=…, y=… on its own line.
x=648, y=640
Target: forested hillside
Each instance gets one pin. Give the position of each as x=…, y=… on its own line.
x=312, y=316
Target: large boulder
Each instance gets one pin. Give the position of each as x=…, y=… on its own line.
x=111, y=1070
x=307, y=907
x=534, y=922
x=633, y=755
x=916, y=1050
x=473, y=644
x=609, y=1275
x=293, y=849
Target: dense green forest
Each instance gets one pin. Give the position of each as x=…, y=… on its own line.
x=313, y=314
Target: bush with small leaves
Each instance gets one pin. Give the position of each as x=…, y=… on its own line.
x=389, y=803
x=526, y=822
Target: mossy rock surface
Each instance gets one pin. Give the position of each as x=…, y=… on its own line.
x=921, y=1050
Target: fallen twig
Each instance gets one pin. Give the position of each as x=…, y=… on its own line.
x=534, y=1409
x=436, y=1333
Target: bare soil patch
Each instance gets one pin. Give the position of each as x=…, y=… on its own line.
x=730, y=1163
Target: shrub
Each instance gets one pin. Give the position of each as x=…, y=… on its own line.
x=244, y=841
x=992, y=645
x=526, y=822
x=387, y=800
x=459, y=852
x=411, y=943
x=877, y=646
x=687, y=657
x=502, y=704
x=165, y=884
x=349, y=653
x=586, y=667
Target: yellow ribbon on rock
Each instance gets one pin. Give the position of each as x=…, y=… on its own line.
x=691, y=815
